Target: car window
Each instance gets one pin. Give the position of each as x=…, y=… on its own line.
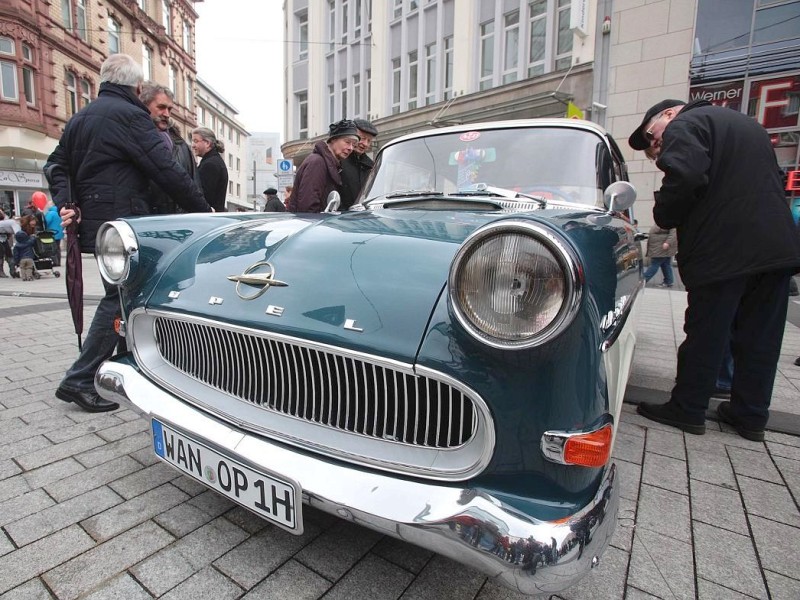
x=568, y=165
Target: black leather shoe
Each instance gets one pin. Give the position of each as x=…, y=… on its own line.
x=725, y=413
x=797, y=361
x=670, y=414
x=90, y=401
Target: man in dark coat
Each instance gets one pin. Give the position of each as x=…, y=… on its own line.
x=356, y=167
x=109, y=153
x=737, y=247
x=160, y=101
x=319, y=174
x=212, y=170
x=273, y=203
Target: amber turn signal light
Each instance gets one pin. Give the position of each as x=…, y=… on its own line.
x=589, y=449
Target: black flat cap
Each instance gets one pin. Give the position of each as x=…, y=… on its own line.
x=270, y=191
x=637, y=140
x=366, y=127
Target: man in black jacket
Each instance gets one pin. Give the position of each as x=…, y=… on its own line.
x=160, y=101
x=357, y=166
x=107, y=156
x=737, y=247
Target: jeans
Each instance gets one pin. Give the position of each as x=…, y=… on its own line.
x=99, y=345
x=665, y=264
x=725, y=377
x=747, y=314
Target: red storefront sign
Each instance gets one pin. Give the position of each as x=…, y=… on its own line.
x=771, y=101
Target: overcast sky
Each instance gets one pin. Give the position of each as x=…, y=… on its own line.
x=239, y=49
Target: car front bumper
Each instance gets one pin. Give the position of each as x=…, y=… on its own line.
x=521, y=552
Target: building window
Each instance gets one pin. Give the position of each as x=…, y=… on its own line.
x=331, y=104
x=142, y=4
x=369, y=90
x=396, y=81
x=430, y=74
x=86, y=93
x=448, y=68
x=238, y=160
x=113, y=36
x=239, y=189
x=147, y=61
x=564, y=39
x=166, y=16
x=302, y=115
x=331, y=25
x=8, y=80
x=487, y=55
x=356, y=94
x=398, y=9
x=72, y=94
x=230, y=160
x=28, y=75
x=173, y=79
x=187, y=93
x=230, y=187
x=357, y=20
x=187, y=37
x=66, y=14
x=537, y=43
x=7, y=46
x=343, y=87
x=413, y=74
x=344, y=21
x=302, y=28
x=510, y=46
x=80, y=9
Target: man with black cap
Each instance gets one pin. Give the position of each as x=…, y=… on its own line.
x=738, y=246
x=320, y=173
x=273, y=203
x=357, y=166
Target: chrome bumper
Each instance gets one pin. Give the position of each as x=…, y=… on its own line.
x=471, y=527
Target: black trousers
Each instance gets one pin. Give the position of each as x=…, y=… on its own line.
x=750, y=314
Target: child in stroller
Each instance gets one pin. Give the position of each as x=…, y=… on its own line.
x=43, y=245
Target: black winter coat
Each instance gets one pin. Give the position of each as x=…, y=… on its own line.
x=160, y=201
x=214, y=178
x=111, y=150
x=317, y=177
x=723, y=191
x=355, y=170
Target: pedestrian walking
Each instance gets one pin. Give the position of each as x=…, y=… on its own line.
x=319, y=174
x=212, y=170
x=104, y=162
x=662, y=245
x=357, y=167
x=273, y=203
x=160, y=101
x=721, y=179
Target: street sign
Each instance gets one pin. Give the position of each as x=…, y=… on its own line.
x=285, y=166
x=285, y=179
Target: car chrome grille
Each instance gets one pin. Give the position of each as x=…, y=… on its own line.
x=330, y=389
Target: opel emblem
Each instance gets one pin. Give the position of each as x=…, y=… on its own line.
x=263, y=280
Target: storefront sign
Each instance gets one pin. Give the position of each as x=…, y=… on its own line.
x=793, y=181
x=720, y=94
x=17, y=179
x=771, y=101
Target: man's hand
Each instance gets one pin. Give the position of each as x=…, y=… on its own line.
x=67, y=216
x=665, y=246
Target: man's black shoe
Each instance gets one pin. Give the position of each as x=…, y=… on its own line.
x=90, y=401
x=721, y=393
x=797, y=361
x=670, y=414
x=726, y=415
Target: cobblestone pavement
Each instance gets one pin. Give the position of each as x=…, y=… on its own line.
x=86, y=511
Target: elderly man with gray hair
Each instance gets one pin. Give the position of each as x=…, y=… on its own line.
x=108, y=154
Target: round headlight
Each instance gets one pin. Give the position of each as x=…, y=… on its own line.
x=514, y=284
x=115, y=244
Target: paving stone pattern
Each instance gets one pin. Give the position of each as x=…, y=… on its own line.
x=86, y=511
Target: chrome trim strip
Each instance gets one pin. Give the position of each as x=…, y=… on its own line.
x=616, y=327
x=400, y=450
x=442, y=518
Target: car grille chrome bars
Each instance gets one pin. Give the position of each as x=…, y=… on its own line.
x=333, y=390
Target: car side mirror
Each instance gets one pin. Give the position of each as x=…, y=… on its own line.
x=334, y=201
x=619, y=196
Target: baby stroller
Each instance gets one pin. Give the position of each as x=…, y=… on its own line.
x=45, y=249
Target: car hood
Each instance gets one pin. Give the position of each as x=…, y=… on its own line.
x=367, y=281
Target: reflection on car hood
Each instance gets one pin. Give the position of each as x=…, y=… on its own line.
x=366, y=280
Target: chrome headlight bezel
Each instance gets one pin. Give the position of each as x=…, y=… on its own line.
x=561, y=252
x=115, y=242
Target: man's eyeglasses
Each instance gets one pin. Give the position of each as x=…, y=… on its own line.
x=648, y=135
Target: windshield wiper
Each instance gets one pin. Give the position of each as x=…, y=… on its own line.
x=490, y=191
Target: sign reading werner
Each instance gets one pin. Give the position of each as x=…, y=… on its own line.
x=21, y=179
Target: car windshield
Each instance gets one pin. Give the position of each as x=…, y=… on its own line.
x=553, y=163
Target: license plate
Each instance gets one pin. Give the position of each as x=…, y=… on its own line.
x=273, y=498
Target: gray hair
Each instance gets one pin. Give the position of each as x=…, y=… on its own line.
x=122, y=70
x=151, y=89
x=206, y=134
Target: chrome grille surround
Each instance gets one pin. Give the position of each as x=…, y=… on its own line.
x=399, y=418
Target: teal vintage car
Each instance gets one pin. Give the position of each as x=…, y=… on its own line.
x=444, y=363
